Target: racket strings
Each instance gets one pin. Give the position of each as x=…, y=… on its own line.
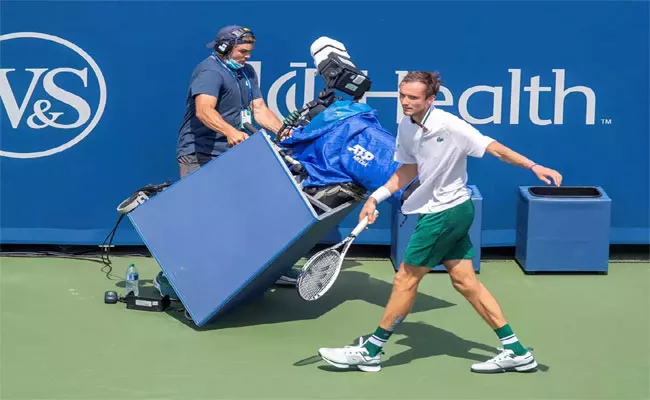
x=318, y=273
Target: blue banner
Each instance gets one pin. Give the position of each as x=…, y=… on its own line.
x=93, y=95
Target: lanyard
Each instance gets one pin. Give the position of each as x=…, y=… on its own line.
x=248, y=83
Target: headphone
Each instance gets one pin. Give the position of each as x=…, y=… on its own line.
x=225, y=44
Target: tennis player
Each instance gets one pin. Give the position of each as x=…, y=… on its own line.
x=434, y=144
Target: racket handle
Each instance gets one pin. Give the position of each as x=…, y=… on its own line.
x=362, y=225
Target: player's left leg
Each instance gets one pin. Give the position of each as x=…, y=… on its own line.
x=514, y=356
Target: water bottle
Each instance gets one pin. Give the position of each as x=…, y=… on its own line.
x=132, y=284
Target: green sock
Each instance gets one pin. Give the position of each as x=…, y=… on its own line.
x=375, y=342
x=509, y=340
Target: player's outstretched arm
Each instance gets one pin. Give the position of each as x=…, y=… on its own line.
x=507, y=155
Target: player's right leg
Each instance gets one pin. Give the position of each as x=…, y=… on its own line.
x=425, y=250
x=366, y=355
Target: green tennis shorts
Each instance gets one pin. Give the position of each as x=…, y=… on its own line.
x=441, y=236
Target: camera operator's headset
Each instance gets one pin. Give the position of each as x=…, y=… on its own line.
x=225, y=45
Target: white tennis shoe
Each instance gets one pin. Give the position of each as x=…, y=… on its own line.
x=352, y=356
x=507, y=361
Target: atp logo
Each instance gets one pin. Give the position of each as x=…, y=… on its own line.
x=361, y=155
x=48, y=108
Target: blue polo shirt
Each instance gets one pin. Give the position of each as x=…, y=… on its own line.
x=230, y=88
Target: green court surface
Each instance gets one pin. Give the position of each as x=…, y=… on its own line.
x=60, y=341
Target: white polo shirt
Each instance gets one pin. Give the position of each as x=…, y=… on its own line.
x=440, y=153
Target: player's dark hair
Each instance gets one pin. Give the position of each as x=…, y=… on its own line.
x=430, y=79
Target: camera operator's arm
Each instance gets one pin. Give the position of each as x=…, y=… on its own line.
x=265, y=117
x=206, y=112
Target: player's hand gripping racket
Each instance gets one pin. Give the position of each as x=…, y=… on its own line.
x=320, y=272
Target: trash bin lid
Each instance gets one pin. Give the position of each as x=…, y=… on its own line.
x=565, y=191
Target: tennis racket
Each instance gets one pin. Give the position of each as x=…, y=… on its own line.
x=320, y=272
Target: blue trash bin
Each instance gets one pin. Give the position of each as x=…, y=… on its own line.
x=563, y=229
x=403, y=226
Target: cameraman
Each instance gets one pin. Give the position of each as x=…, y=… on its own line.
x=224, y=93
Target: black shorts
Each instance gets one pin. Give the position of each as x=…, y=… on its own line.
x=191, y=162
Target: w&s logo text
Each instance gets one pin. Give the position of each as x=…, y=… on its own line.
x=47, y=108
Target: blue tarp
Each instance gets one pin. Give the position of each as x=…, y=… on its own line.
x=344, y=143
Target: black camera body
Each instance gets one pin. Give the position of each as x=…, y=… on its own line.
x=337, y=69
x=340, y=74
